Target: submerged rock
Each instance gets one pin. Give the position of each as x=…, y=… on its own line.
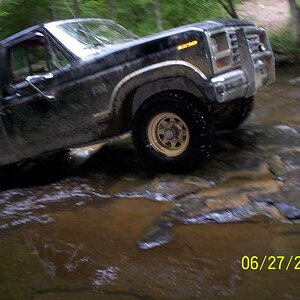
x=159, y=235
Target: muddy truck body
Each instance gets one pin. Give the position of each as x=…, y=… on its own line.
x=77, y=82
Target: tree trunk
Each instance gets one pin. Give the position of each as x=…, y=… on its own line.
x=156, y=5
x=112, y=9
x=53, y=11
x=229, y=7
x=76, y=8
x=295, y=13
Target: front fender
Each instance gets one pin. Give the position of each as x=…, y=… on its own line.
x=156, y=72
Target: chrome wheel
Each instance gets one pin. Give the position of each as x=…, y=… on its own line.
x=168, y=134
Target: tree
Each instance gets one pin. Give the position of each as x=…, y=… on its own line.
x=228, y=5
x=156, y=5
x=111, y=9
x=76, y=8
x=295, y=13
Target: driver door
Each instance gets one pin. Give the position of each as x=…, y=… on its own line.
x=36, y=117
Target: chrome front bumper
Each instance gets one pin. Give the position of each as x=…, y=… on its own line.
x=231, y=85
x=257, y=68
x=237, y=84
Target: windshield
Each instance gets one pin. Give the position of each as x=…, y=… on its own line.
x=84, y=37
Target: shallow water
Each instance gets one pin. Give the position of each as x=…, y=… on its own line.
x=107, y=227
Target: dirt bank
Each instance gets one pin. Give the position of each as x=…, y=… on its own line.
x=271, y=14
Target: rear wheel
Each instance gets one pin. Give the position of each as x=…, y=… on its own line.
x=172, y=132
x=230, y=115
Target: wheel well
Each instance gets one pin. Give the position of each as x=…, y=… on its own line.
x=141, y=94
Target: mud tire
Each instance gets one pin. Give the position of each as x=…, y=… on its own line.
x=196, y=118
x=233, y=114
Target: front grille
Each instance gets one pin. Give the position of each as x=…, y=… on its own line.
x=253, y=42
x=234, y=46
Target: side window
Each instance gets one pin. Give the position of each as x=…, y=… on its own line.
x=28, y=58
x=57, y=59
x=34, y=57
x=1, y=95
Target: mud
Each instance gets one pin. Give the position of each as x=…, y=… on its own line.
x=97, y=223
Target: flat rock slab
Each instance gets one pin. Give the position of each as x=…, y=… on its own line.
x=277, y=137
x=286, y=201
x=160, y=190
x=227, y=209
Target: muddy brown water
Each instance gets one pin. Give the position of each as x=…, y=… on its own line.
x=110, y=228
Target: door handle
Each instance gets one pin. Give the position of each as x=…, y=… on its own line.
x=12, y=97
x=29, y=79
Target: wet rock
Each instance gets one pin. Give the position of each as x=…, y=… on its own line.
x=247, y=168
x=21, y=206
x=286, y=130
x=228, y=202
x=104, y=276
x=239, y=188
x=237, y=165
x=284, y=166
x=239, y=139
x=217, y=210
x=228, y=215
x=25, y=218
x=78, y=156
x=277, y=167
x=291, y=159
x=187, y=207
x=220, y=216
x=292, y=181
x=295, y=81
x=286, y=201
x=159, y=235
x=269, y=139
x=57, y=256
x=198, y=181
x=242, y=164
x=221, y=144
x=158, y=190
x=289, y=211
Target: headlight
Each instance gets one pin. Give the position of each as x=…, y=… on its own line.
x=220, y=49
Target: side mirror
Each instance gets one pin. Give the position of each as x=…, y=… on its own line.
x=32, y=78
x=39, y=36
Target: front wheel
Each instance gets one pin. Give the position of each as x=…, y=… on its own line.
x=172, y=132
x=230, y=115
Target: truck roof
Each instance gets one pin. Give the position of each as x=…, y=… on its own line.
x=205, y=25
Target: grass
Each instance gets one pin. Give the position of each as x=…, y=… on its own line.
x=286, y=48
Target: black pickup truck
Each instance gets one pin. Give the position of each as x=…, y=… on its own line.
x=77, y=82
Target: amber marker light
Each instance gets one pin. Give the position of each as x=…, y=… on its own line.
x=187, y=45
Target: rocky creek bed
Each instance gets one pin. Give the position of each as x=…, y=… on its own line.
x=111, y=228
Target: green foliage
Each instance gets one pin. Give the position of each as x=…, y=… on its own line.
x=189, y=11
x=285, y=47
x=19, y=14
x=137, y=15
x=94, y=8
